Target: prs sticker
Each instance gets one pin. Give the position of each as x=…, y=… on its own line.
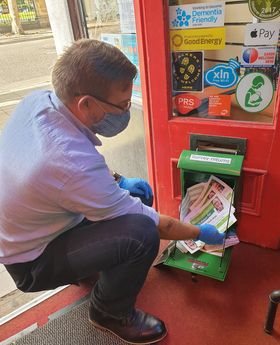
x=187, y=71
x=185, y=103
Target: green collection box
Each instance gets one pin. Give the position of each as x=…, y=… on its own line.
x=196, y=167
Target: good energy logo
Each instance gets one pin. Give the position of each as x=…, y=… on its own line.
x=197, y=15
x=223, y=75
x=197, y=39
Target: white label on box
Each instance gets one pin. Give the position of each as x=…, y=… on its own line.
x=197, y=15
x=208, y=159
x=262, y=34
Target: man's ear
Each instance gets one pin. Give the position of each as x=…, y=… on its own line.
x=84, y=105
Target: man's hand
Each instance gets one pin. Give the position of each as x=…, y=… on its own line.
x=210, y=235
x=136, y=186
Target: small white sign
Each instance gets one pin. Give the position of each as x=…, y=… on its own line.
x=262, y=34
x=197, y=15
x=208, y=159
x=258, y=56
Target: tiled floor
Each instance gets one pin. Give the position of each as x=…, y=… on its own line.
x=6, y=283
x=16, y=299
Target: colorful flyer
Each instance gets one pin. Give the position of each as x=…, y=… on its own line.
x=258, y=56
x=197, y=39
x=129, y=48
x=254, y=92
x=262, y=34
x=223, y=75
x=187, y=68
x=197, y=15
x=113, y=39
x=219, y=105
x=265, y=10
x=128, y=45
x=186, y=102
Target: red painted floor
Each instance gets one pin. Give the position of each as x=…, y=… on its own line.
x=208, y=312
x=211, y=312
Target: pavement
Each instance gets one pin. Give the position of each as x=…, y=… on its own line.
x=11, y=94
x=29, y=35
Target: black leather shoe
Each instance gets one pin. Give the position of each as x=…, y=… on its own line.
x=136, y=328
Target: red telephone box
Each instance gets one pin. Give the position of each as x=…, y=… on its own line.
x=172, y=121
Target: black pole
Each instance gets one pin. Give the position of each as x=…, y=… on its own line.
x=274, y=298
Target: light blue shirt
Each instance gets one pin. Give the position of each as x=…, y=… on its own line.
x=51, y=177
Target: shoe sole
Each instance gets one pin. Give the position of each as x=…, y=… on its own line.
x=109, y=330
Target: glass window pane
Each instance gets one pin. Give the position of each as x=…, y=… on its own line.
x=113, y=21
x=224, y=61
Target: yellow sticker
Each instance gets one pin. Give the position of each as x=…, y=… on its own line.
x=198, y=39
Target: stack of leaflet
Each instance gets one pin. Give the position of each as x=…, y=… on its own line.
x=208, y=202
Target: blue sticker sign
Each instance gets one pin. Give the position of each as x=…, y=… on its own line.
x=223, y=75
x=200, y=15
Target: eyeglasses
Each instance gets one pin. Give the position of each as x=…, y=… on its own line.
x=125, y=108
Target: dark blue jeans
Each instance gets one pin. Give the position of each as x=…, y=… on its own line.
x=121, y=250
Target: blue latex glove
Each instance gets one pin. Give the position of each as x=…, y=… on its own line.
x=137, y=186
x=210, y=235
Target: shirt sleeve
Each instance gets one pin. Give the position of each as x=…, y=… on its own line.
x=93, y=192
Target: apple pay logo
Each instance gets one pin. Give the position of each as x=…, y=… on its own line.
x=261, y=34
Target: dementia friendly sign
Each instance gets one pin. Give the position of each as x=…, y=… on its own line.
x=197, y=39
x=197, y=15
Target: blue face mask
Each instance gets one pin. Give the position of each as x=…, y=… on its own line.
x=111, y=124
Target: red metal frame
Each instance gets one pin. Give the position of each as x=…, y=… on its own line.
x=146, y=20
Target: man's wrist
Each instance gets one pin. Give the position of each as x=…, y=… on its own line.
x=117, y=176
x=197, y=232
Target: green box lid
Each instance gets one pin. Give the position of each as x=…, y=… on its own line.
x=212, y=162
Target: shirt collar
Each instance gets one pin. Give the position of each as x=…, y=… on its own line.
x=61, y=107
